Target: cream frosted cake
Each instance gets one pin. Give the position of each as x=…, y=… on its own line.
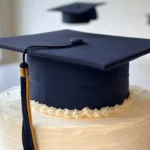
x=74, y=94
x=125, y=128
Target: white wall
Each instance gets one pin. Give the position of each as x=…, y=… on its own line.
x=118, y=17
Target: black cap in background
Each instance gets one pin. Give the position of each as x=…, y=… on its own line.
x=78, y=12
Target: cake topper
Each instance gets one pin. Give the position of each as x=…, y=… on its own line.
x=73, y=70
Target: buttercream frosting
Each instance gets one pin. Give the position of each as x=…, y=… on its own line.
x=85, y=112
x=126, y=130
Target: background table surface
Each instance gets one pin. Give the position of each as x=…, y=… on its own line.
x=139, y=74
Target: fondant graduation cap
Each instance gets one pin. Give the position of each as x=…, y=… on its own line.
x=78, y=12
x=73, y=70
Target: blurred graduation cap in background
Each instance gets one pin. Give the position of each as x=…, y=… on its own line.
x=78, y=12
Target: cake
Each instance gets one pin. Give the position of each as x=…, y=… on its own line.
x=126, y=128
x=75, y=94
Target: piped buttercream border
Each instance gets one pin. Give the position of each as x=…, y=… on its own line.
x=85, y=112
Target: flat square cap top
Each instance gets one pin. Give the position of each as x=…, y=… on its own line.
x=101, y=52
x=77, y=8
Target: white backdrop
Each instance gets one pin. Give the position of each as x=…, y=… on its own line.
x=119, y=17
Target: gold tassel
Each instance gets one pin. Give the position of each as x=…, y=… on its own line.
x=24, y=73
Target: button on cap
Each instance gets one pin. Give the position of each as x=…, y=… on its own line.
x=76, y=41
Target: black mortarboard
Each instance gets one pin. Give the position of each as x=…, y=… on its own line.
x=73, y=70
x=78, y=12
